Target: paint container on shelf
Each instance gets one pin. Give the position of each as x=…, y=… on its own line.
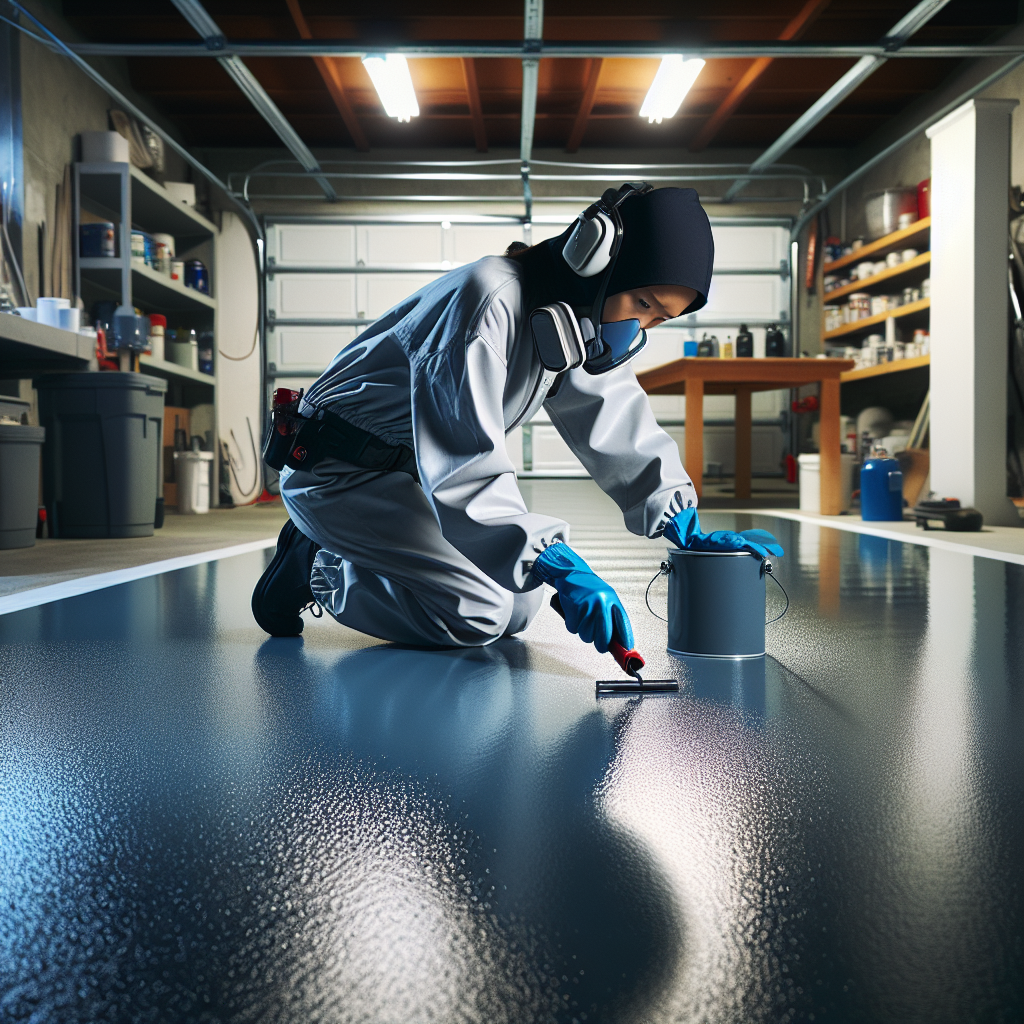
x=97, y=239
x=716, y=604
x=708, y=347
x=178, y=271
x=48, y=310
x=69, y=319
x=744, y=343
x=205, y=350
x=139, y=248
x=157, y=334
x=197, y=277
x=892, y=259
x=182, y=348
x=167, y=241
x=907, y=255
x=774, y=343
x=690, y=347
x=924, y=198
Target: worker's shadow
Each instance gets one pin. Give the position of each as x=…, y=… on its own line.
x=518, y=767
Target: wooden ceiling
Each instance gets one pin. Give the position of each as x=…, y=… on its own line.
x=581, y=103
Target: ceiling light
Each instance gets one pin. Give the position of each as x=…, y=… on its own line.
x=670, y=86
x=391, y=78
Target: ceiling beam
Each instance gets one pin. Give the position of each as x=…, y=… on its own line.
x=818, y=111
x=475, y=109
x=808, y=13
x=579, y=126
x=533, y=32
x=331, y=74
x=195, y=14
x=527, y=48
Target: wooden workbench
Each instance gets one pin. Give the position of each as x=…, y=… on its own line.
x=696, y=378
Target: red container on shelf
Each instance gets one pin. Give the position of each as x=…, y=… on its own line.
x=924, y=198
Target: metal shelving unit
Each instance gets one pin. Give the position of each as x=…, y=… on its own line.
x=123, y=195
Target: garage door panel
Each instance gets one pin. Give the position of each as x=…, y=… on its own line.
x=294, y=296
x=749, y=246
x=377, y=293
x=327, y=245
x=742, y=295
x=383, y=244
x=295, y=349
x=470, y=242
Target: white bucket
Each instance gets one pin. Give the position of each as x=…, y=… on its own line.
x=810, y=482
x=192, y=473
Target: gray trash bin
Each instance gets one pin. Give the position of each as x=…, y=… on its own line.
x=101, y=462
x=19, y=484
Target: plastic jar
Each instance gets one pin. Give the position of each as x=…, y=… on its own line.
x=157, y=333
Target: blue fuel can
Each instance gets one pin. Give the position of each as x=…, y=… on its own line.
x=881, y=489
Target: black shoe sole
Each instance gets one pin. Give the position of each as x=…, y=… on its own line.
x=282, y=625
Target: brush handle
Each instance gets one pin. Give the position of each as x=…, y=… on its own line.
x=629, y=661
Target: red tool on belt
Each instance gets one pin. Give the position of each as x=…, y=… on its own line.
x=630, y=662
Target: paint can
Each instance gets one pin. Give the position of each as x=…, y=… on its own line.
x=716, y=604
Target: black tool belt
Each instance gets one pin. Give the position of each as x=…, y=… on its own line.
x=300, y=443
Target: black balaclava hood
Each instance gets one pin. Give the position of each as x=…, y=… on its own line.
x=666, y=239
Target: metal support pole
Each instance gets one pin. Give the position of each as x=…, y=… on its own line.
x=195, y=14
x=863, y=69
x=533, y=32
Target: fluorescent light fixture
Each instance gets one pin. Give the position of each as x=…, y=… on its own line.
x=391, y=78
x=670, y=86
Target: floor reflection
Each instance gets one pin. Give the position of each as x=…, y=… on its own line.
x=201, y=824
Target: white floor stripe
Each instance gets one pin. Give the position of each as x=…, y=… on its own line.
x=100, y=581
x=928, y=539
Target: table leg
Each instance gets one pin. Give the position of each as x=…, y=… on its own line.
x=831, y=478
x=695, y=433
x=743, y=432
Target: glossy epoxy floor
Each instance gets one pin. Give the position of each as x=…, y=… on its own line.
x=199, y=824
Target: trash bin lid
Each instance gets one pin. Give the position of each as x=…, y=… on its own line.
x=15, y=433
x=99, y=379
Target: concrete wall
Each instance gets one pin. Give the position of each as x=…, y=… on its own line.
x=58, y=102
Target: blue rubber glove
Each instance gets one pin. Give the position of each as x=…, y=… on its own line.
x=683, y=530
x=592, y=609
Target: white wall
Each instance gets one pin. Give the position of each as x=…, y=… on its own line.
x=238, y=357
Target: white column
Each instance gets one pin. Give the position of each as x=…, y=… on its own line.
x=970, y=183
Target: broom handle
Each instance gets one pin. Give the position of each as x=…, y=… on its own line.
x=630, y=661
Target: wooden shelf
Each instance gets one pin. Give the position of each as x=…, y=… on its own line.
x=885, y=368
x=887, y=275
x=27, y=347
x=152, y=291
x=153, y=209
x=910, y=309
x=165, y=368
x=896, y=240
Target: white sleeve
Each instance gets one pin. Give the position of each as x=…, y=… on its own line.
x=606, y=419
x=464, y=468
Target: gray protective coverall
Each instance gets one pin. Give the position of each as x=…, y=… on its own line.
x=449, y=372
